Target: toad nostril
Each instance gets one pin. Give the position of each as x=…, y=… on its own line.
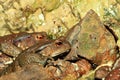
x=39, y=37
x=28, y=37
x=59, y=43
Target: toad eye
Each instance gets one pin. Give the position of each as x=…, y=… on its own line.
x=38, y=37
x=28, y=37
x=59, y=43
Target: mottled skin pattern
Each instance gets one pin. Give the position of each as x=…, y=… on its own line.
x=109, y=72
x=30, y=39
x=26, y=57
x=66, y=68
x=114, y=74
x=10, y=49
x=39, y=53
x=24, y=40
x=10, y=37
x=13, y=44
x=102, y=72
x=90, y=38
x=29, y=72
x=57, y=47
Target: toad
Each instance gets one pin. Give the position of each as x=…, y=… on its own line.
x=114, y=74
x=65, y=68
x=56, y=48
x=29, y=72
x=102, y=72
x=29, y=39
x=39, y=53
x=13, y=44
x=25, y=57
x=109, y=71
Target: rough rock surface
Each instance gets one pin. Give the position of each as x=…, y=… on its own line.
x=92, y=39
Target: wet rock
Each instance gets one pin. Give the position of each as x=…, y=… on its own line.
x=91, y=39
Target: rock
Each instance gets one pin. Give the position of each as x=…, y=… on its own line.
x=92, y=40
